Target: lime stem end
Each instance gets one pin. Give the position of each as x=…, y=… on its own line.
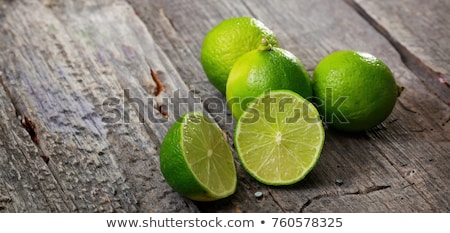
x=265, y=45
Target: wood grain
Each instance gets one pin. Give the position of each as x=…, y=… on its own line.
x=89, y=89
x=419, y=32
x=70, y=67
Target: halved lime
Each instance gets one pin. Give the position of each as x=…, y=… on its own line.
x=279, y=138
x=196, y=160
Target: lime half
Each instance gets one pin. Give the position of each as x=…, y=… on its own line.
x=279, y=138
x=196, y=160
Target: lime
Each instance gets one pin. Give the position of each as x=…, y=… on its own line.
x=196, y=160
x=263, y=69
x=279, y=138
x=226, y=42
x=355, y=91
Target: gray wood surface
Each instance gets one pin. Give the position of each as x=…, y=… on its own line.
x=89, y=89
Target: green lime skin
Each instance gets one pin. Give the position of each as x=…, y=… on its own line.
x=226, y=42
x=262, y=70
x=178, y=170
x=354, y=91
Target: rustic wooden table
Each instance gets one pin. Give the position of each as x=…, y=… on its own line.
x=89, y=89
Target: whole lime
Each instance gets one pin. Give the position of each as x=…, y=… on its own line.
x=354, y=91
x=261, y=70
x=226, y=42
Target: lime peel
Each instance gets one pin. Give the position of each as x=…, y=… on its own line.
x=226, y=42
x=196, y=160
x=355, y=91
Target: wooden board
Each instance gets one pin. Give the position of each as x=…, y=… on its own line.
x=89, y=89
x=68, y=67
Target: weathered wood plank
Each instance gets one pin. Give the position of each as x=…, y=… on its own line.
x=70, y=66
x=26, y=183
x=394, y=167
x=419, y=32
x=80, y=71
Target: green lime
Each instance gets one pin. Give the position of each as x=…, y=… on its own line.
x=226, y=42
x=279, y=138
x=354, y=91
x=196, y=160
x=263, y=69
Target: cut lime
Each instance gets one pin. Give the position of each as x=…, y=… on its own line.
x=279, y=138
x=196, y=160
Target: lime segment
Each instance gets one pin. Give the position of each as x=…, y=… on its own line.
x=279, y=138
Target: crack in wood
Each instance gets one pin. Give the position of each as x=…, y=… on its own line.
x=26, y=123
x=444, y=82
x=365, y=191
x=163, y=109
x=159, y=85
x=30, y=127
x=172, y=24
x=276, y=202
x=310, y=200
x=405, y=107
x=368, y=190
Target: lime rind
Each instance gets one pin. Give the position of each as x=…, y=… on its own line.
x=280, y=146
x=260, y=70
x=226, y=42
x=196, y=160
x=208, y=155
x=363, y=86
